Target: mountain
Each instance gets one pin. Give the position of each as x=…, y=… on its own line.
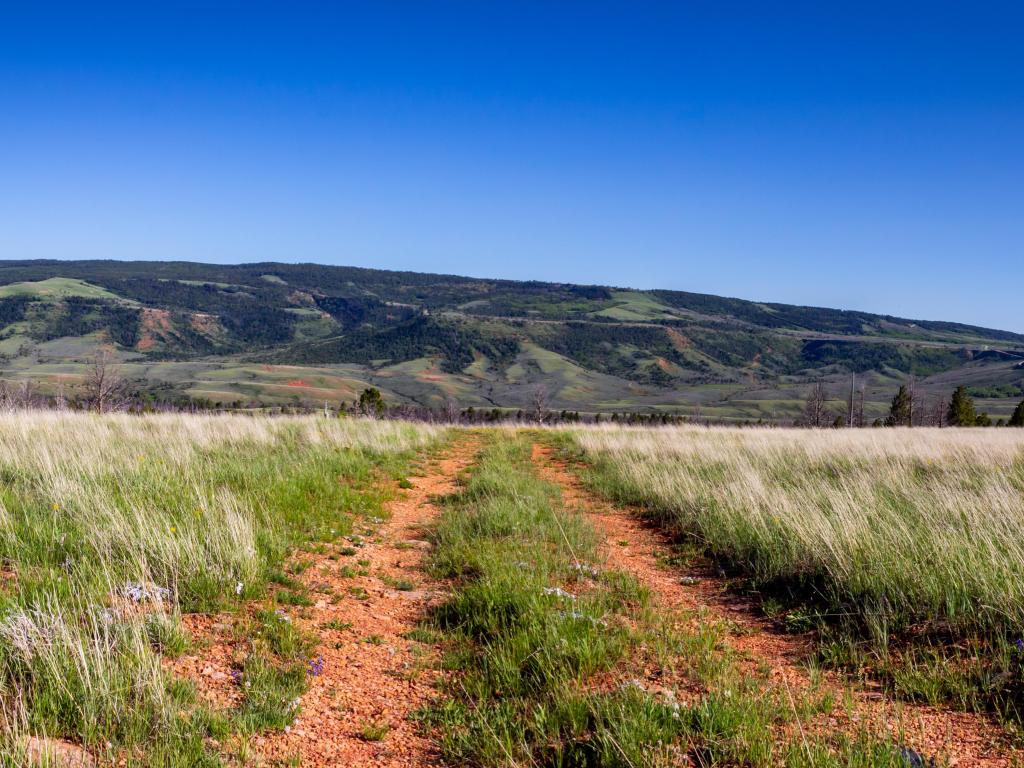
x=305, y=333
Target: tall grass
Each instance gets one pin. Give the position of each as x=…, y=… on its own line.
x=110, y=526
x=559, y=661
x=917, y=524
x=895, y=528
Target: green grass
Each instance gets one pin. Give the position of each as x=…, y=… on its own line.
x=375, y=731
x=274, y=674
x=272, y=693
x=525, y=638
x=633, y=306
x=57, y=288
x=337, y=625
x=900, y=549
x=112, y=527
x=166, y=635
x=521, y=647
x=400, y=584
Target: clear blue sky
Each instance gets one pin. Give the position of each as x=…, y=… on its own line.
x=857, y=155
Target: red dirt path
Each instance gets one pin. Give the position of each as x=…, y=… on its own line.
x=373, y=674
x=953, y=738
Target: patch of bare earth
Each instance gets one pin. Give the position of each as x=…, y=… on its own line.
x=357, y=711
x=54, y=753
x=632, y=545
x=155, y=325
x=373, y=676
x=679, y=341
x=203, y=322
x=217, y=652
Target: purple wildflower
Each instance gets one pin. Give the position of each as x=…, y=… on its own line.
x=316, y=666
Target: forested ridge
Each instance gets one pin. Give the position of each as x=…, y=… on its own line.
x=317, y=315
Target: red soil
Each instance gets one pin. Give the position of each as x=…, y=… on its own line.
x=958, y=738
x=374, y=675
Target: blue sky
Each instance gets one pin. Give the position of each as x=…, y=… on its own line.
x=855, y=155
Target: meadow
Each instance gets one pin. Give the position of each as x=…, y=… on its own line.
x=903, y=548
x=559, y=658
x=552, y=639
x=113, y=527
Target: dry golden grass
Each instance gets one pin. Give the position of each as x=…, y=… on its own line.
x=112, y=525
x=906, y=525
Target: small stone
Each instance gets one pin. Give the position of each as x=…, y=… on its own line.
x=56, y=753
x=915, y=759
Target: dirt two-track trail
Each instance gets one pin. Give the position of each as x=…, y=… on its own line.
x=373, y=676
x=631, y=545
x=357, y=710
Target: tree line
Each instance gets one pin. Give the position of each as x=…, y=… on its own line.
x=907, y=409
x=103, y=389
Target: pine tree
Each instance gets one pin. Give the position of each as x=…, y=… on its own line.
x=961, y=409
x=1017, y=420
x=371, y=403
x=899, y=411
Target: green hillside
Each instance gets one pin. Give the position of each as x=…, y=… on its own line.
x=55, y=288
x=305, y=333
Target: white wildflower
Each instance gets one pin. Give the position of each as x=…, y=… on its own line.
x=139, y=592
x=583, y=569
x=25, y=634
x=559, y=592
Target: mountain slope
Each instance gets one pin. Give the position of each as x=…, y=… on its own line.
x=282, y=333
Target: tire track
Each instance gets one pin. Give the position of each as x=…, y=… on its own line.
x=373, y=676
x=953, y=738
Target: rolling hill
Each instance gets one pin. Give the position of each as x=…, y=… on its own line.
x=304, y=333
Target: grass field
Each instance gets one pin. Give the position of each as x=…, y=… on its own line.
x=905, y=548
x=57, y=288
x=554, y=627
x=562, y=660
x=111, y=528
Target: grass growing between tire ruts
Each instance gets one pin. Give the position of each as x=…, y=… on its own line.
x=557, y=661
